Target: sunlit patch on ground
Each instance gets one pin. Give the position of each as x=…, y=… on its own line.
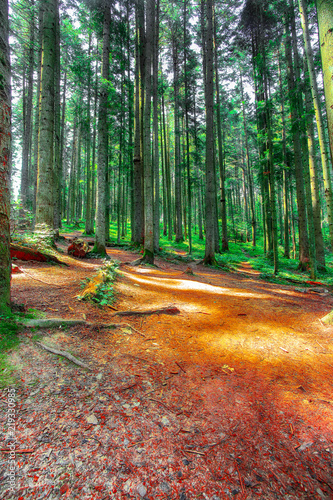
x=231, y=398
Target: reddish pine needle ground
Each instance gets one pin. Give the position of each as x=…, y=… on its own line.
x=231, y=398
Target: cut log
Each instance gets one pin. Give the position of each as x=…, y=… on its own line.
x=27, y=253
x=78, y=248
x=171, y=310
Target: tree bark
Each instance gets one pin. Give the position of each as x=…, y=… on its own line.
x=138, y=220
x=325, y=24
x=45, y=174
x=5, y=160
x=102, y=161
x=210, y=164
x=27, y=125
x=148, y=255
x=178, y=183
x=296, y=133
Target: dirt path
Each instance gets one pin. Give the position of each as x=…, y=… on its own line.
x=231, y=398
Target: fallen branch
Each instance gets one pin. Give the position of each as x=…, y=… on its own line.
x=182, y=369
x=65, y=355
x=140, y=442
x=196, y=452
x=171, y=310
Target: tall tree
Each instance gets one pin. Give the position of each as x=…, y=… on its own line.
x=319, y=119
x=325, y=24
x=210, y=212
x=102, y=161
x=148, y=255
x=45, y=164
x=5, y=158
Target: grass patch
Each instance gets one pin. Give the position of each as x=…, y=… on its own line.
x=8, y=340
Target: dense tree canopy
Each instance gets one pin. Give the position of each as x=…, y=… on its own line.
x=183, y=117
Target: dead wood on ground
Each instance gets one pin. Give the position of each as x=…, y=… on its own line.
x=171, y=310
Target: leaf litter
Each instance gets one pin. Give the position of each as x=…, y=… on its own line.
x=201, y=407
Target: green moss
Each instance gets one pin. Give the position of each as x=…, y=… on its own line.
x=8, y=340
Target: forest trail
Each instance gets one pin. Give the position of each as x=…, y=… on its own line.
x=230, y=398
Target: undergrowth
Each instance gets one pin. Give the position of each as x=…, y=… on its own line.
x=231, y=260
x=8, y=340
x=99, y=289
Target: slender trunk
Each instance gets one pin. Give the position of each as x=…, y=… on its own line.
x=225, y=246
x=178, y=184
x=148, y=255
x=45, y=175
x=187, y=138
x=57, y=109
x=138, y=222
x=318, y=114
x=5, y=161
x=62, y=148
x=299, y=175
x=27, y=123
x=155, y=131
x=248, y=169
x=210, y=171
x=102, y=161
x=89, y=220
x=314, y=180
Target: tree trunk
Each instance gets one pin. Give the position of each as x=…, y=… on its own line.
x=187, y=138
x=102, y=160
x=314, y=180
x=5, y=161
x=210, y=171
x=148, y=255
x=225, y=246
x=178, y=178
x=138, y=221
x=155, y=132
x=89, y=226
x=299, y=175
x=45, y=174
x=325, y=24
x=27, y=124
x=57, y=138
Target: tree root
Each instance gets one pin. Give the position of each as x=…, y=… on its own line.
x=171, y=310
x=65, y=355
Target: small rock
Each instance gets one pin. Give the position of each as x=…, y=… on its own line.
x=182, y=495
x=320, y=493
x=99, y=376
x=165, y=487
x=165, y=421
x=304, y=446
x=92, y=420
x=185, y=461
x=141, y=489
x=128, y=486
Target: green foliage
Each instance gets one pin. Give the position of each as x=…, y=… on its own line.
x=104, y=293
x=8, y=340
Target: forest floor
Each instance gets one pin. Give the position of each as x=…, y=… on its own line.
x=230, y=398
